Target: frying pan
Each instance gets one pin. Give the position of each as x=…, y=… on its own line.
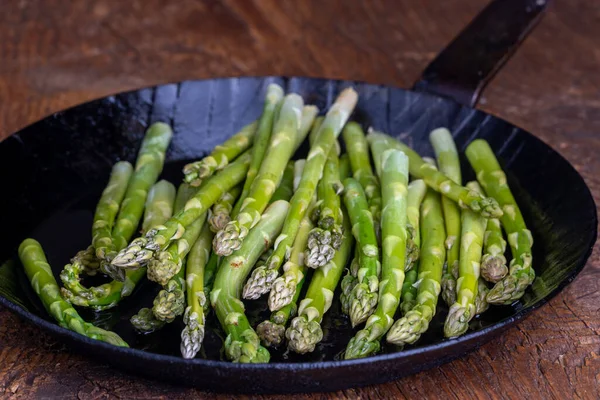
x=54, y=170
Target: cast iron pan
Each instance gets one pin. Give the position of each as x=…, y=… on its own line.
x=53, y=173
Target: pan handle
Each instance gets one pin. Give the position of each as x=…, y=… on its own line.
x=471, y=60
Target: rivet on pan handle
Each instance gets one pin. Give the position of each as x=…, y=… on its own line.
x=470, y=61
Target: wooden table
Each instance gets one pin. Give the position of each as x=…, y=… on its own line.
x=55, y=54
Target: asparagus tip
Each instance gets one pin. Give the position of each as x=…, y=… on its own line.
x=303, y=335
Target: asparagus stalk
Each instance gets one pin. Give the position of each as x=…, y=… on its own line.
x=409, y=291
x=493, y=262
x=280, y=150
x=415, y=322
x=378, y=144
x=325, y=239
x=284, y=287
x=108, y=207
x=363, y=297
x=272, y=331
x=394, y=182
x=210, y=270
x=286, y=187
x=221, y=155
x=449, y=164
x=261, y=279
x=220, y=214
x=358, y=150
x=44, y=285
x=463, y=310
x=142, y=249
x=416, y=193
x=159, y=208
x=273, y=100
x=305, y=330
x=493, y=180
x=242, y=343
x=441, y=183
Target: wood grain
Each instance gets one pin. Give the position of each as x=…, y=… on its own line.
x=58, y=53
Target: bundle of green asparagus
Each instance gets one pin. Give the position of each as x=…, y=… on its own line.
x=248, y=220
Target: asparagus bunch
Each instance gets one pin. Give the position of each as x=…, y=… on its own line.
x=394, y=181
x=493, y=180
x=262, y=278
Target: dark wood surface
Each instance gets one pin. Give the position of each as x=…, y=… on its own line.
x=55, y=54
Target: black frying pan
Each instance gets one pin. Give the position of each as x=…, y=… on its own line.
x=54, y=170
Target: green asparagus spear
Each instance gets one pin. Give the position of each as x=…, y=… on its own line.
x=242, y=343
x=284, y=287
x=273, y=100
x=471, y=244
x=221, y=155
x=272, y=331
x=330, y=128
x=44, y=285
x=210, y=270
x=108, y=207
x=305, y=330
x=279, y=152
x=159, y=208
x=148, y=167
x=439, y=182
x=378, y=143
x=493, y=180
x=493, y=262
x=159, y=204
x=325, y=239
x=394, y=181
x=142, y=249
x=416, y=193
x=286, y=187
x=449, y=164
x=363, y=298
x=415, y=322
x=220, y=214
x=358, y=150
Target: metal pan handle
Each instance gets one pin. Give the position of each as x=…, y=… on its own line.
x=471, y=60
